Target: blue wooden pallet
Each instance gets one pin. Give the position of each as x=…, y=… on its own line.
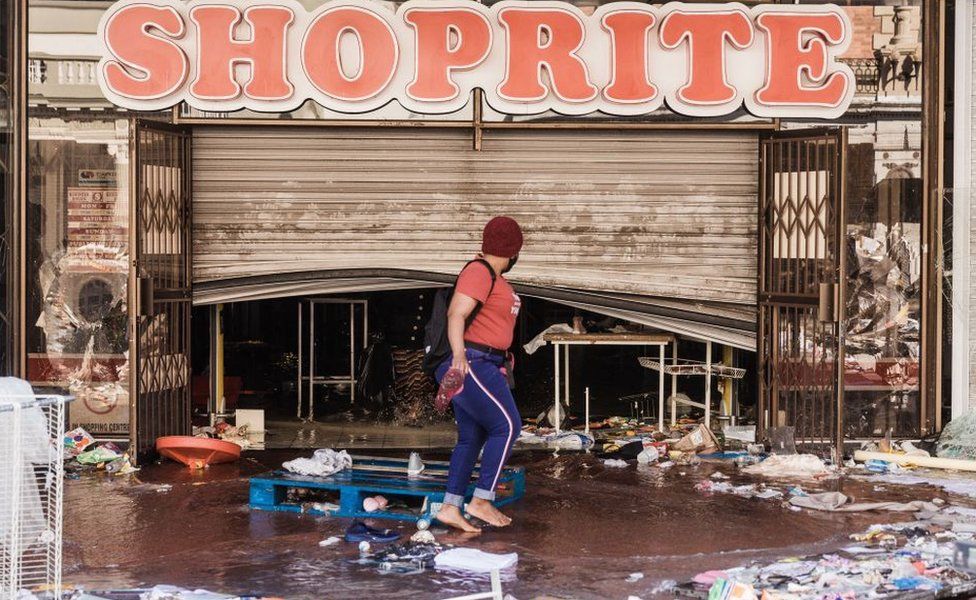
x=371, y=476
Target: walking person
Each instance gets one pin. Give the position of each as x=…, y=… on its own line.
x=488, y=421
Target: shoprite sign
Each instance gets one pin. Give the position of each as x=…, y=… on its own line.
x=528, y=57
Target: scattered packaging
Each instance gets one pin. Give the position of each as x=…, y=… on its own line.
x=77, y=441
x=700, y=440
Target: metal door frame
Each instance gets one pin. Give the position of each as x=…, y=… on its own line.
x=311, y=379
x=157, y=288
x=799, y=301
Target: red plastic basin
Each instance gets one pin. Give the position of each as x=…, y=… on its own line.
x=197, y=452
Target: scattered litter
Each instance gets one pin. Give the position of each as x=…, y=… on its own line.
x=953, y=485
x=634, y=577
x=649, y=455
x=102, y=454
x=324, y=462
x=330, y=541
x=374, y=503
x=469, y=559
x=700, y=440
x=408, y=557
x=76, y=441
x=838, y=502
x=710, y=577
x=789, y=466
x=424, y=536
x=564, y=440
x=171, y=592
x=748, y=490
x=415, y=466
x=742, y=433
x=887, y=561
x=121, y=466
x=724, y=589
x=615, y=463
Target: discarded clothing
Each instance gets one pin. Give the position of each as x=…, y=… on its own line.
x=789, y=466
x=476, y=561
x=361, y=532
x=628, y=451
x=838, y=502
x=323, y=463
x=565, y=440
x=538, y=341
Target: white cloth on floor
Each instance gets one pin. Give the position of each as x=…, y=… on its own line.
x=838, y=502
x=323, y=463
x=469, y=559
x=538, y=341
x=789, y=466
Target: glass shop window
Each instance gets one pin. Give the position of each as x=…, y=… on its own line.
x=77, y=272
x=884, y=211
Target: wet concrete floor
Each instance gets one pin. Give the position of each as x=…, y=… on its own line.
x=580, y=531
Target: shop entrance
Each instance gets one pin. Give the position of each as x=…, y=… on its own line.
x=801, y=262
x=332, y=335
x=159, y=287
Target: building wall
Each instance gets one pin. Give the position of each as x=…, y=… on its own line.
x=964, y=196
x=963, y=377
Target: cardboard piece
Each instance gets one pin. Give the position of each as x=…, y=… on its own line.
x=699, y=440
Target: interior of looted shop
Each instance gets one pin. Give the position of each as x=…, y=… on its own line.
x=347, y=371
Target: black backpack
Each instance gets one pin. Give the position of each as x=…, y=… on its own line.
x=436, y=345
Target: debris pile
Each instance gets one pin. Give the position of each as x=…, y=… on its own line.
x=84, y=454
x=886, y=561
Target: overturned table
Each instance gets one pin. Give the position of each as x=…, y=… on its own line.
x=562, y=341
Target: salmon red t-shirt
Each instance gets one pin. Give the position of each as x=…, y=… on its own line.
x=494, y=325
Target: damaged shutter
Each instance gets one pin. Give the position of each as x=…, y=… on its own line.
x=666, y=218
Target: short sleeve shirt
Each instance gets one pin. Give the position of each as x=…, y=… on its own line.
x=494, y=325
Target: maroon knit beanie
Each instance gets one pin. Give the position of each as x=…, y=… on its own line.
x=502, y=237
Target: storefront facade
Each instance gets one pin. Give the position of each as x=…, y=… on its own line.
x=668, y=219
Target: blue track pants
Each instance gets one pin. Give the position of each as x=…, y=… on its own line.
x=486, y=418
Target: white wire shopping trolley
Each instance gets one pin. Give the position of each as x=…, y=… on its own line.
x=31, y=486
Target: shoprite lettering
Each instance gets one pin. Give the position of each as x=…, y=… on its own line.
x=356, y=56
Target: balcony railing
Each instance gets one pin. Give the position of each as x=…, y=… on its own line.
x=886, y=76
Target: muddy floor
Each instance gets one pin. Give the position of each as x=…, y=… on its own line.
x=580, y=531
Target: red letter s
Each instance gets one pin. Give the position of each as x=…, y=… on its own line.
x=147, y=65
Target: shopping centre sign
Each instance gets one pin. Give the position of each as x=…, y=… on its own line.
x=528, y=57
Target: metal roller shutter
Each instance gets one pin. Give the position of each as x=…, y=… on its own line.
x=663, y=219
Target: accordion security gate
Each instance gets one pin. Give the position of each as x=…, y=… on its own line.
x=31, y=492
x=160, y=292
x=801, y=284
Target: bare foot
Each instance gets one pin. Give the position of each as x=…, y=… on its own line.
x=451, y=515
x=486, y=511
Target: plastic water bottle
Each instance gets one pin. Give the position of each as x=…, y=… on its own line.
x=451, y=385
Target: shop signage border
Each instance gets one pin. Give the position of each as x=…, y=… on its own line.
x=356, y=56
